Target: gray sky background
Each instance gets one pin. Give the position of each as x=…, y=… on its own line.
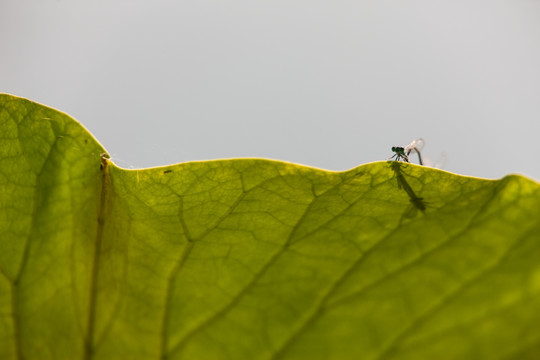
x=330, y=84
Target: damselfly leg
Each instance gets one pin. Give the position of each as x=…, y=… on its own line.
x=399, y=154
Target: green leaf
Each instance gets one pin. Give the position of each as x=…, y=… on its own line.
x=256, y=259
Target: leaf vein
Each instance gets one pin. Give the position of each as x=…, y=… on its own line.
x=236, y=299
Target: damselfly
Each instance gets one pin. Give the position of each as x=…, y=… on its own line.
x=403, y=152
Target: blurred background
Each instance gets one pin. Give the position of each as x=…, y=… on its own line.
x=329, y=84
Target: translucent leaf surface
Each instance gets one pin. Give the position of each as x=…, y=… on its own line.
x=256, y=259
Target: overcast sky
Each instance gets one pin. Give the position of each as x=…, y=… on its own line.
x=330, y=84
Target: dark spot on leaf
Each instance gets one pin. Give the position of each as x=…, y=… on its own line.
x=104, y=158
x=167, y=171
